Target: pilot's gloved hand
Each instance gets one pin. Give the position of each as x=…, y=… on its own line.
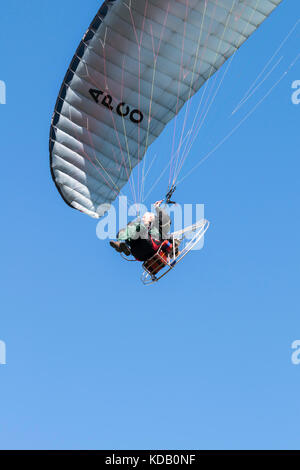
x=158, y=203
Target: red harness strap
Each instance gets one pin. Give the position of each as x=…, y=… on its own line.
x=155, y=244
x=165, y=245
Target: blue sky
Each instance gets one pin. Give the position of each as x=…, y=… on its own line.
x=202, y=359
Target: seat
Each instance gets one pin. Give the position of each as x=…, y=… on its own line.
x=158, y=261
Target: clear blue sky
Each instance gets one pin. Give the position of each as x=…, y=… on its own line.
x=202, y=359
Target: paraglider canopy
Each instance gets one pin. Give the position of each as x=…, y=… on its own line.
x=138, y=64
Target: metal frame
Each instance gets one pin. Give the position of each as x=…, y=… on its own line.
x=172, y=260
